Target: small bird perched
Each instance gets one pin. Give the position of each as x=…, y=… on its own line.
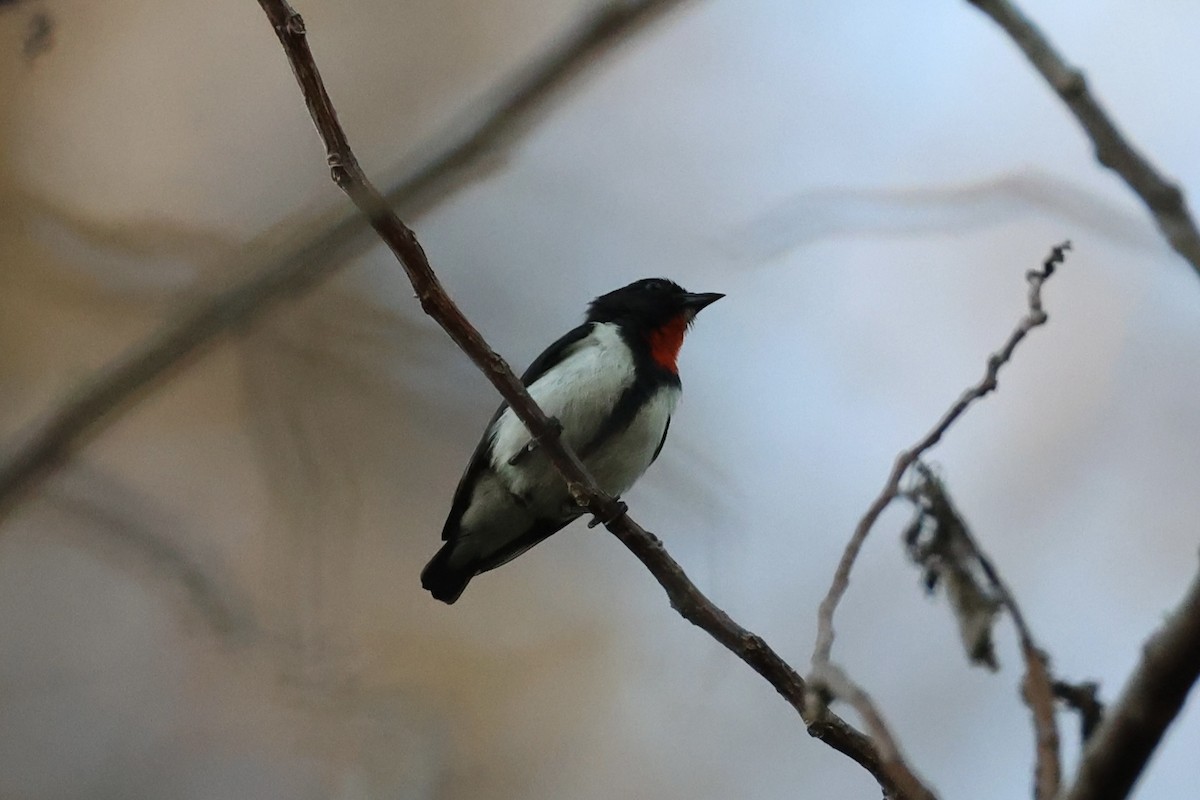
x=612, y=385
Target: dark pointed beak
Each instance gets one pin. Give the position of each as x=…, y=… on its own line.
x=694, y=301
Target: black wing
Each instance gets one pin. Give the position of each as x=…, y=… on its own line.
x=552, y=355
x=482, y=455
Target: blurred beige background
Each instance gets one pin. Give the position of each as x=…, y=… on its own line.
x=219, y=597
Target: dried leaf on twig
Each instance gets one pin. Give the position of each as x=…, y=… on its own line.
x=938, y=541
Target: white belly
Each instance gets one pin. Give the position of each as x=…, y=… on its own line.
x=620, y=462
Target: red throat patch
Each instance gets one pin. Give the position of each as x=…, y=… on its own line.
x=666, y=340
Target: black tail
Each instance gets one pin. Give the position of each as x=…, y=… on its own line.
x=444, y=582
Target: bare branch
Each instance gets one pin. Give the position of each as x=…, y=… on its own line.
x=1161, y=195
x=891, y=489
x=1037, y=689
x=954, y=543
x=400, y=239
x=1170, y=665
x=119, y=519
x=838, y=684
x=684, y=595
x=529, y=93
x=697, y=609
x=822, y=667
x=312, y=259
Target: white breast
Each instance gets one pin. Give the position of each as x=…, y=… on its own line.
x=620, y=462
x=581, y=393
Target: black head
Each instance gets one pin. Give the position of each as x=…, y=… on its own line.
x=649, y=304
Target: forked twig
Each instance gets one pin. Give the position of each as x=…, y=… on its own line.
x=823, y=669
x=891, y=489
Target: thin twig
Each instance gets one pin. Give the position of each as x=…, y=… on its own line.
x=684, y=595
x=891, y=489
x=308, y=261
x=1161, y=195
x=838, y=684
x=1038, y=687
x=1118, y=751
x=822, y=666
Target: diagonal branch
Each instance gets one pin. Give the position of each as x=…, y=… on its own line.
x=836, y=683
x=602, y=29
x=400, y=239
x=1161, y=195
x=684, y=595
x=315, y=257
x=1118, y=751
x=895, y=778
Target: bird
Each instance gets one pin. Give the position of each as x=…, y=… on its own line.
x=611, y=385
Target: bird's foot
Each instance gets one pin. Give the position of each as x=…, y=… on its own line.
x=621, y=509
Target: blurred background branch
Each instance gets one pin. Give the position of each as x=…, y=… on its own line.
x=303, y=264
x=1161, y=195
x=1134, y=725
